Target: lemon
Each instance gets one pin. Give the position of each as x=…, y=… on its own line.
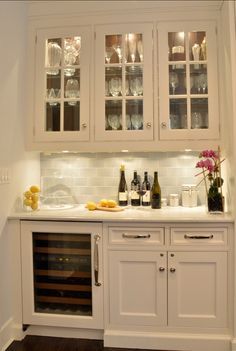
x=28, y=194
x=34, y=189
x=103, y=203
x=35, y=197
x=91, y=206
x=111, y=203
x=27, y=202
x=34, y=206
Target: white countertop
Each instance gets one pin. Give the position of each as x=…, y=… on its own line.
x=139, y=214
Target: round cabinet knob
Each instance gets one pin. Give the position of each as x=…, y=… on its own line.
x=163, y=125
x=172, y=270
x=148, y=124
x=84, y=125
x=161, y=269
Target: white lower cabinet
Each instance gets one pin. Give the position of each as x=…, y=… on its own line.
x=197, y=289
x=171, y=282
x=138, y=289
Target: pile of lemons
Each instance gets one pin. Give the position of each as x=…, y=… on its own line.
x=102, y=203
x=31, y=197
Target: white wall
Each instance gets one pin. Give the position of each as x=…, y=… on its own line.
x=24, y=167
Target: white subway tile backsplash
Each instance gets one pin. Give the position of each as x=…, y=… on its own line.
x=96, y=175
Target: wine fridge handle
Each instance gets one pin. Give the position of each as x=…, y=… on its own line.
x=96, y=260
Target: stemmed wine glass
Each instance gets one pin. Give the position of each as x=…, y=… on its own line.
x=114, y=121
x=174, y=81
x=203, y=82
x=132, y=48
x=118, y=50
x=108, y=54
x=115, y=86
x=140, y=50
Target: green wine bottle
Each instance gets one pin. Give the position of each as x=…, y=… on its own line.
x=156, y=192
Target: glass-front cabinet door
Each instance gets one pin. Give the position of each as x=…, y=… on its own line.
x=62, y=85
x=188, y=81
x=124, y=82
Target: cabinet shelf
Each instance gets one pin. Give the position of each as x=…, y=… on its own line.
x=64, y=300
x=60, y=273
x=63, y=287
x=68, y=251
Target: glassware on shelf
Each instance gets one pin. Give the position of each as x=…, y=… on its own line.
x=72, y=91
x=175, y=121
x=114, y=121
x=132, y=43
x=196, y=120
x=204, y=49
x=137, y=121
x=54, y=53
x=203, y=83
x=173, y=81
x=115, y=86
x=140, y=50
x=127, y=87
x=136, y=86
x=118, y=50
x=108, y=53
x=72, y=48
x=53, y=94
x=196, y=54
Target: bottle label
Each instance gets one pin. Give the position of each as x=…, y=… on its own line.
x=156, y=201
x=146, y=196
x=123, y=196
x=134, y=195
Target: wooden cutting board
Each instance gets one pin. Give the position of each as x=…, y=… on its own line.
x=110, y=209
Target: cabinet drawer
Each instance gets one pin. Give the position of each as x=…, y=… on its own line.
x=136, y=236
x=198, y=236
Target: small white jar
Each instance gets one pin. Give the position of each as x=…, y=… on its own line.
x=189, y=195
x=174, y=200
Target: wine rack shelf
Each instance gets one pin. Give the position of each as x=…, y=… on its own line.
x=62, y=273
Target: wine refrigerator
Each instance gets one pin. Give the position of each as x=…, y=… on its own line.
x=62, y=273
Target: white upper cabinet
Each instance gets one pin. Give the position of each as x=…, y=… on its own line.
x=124, y=82
x=62, y=84
x=188, y=83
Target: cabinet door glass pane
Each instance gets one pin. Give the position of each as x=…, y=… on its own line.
x=177, y=79
x=197, y=46
x=178, y=113
x=62, y=69
x=199, y=113
x=198, y=79
x=62, y=273
x=123, y=81
x=176, y=41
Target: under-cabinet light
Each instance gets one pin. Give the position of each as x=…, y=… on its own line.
x=124, y=150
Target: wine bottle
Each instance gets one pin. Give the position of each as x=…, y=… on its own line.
x=156, y=192
x=135, y=191
x=146, y=187
x=122, y=190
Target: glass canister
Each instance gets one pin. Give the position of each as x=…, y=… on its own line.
x=189, y=195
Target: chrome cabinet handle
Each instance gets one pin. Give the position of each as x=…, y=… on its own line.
x=172, y=270
x=96, y=260
x=188, y=236
x=161, y=269
x=136, y=236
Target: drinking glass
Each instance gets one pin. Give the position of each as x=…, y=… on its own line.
x=140, y=50
x=136, y=86
x=72, y=90
x=203, y=82
x=137, y=121
x=118, y=50
x=115, y=86
x=132, y=47
x=174, y=81
x=128, y=122
x=196, y=120
x=114, y=121
x=54, y=53
x=108, y=54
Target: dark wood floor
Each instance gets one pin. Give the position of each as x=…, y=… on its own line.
x=46, y=343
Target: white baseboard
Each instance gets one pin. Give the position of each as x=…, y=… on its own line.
x=167, y=341
x=8, y=333
x=234, y=344
x=65, y=332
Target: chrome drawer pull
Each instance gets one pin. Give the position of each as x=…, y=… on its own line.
x=136, y=236
x=187, y=236
x=96, y=260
